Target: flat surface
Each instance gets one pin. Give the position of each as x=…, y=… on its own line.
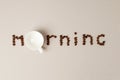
x=60, y=17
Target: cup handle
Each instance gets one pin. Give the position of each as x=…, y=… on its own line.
x=40, y=50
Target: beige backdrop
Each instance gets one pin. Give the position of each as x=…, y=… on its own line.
x=60, y=17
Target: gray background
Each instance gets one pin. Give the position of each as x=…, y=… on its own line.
x=60, y=17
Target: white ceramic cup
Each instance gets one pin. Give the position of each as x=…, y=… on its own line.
x=34, y=40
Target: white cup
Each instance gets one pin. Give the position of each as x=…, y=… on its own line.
x=34, y=40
